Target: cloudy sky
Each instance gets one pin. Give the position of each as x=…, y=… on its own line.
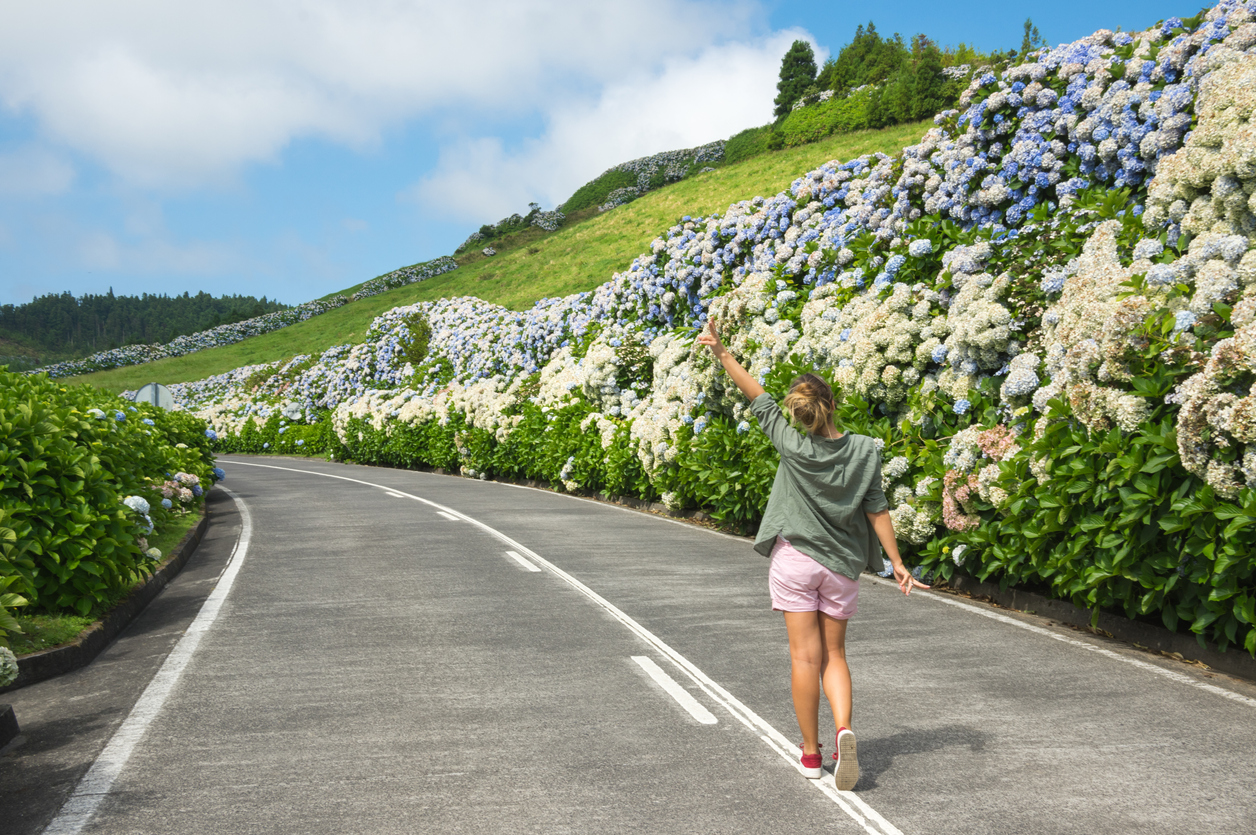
x=290, y=149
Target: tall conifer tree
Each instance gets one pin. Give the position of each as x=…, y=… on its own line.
x=798, y=71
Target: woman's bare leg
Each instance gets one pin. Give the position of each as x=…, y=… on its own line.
x=806, y=656
x=834, y=671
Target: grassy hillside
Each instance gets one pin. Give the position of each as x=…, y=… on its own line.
x=576, y=258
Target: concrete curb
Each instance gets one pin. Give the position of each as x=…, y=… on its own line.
x=1235, y=661
x=49, y=663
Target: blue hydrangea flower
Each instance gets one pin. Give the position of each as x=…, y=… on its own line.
x=219, y=475
x=1184, y=319
x=920, y=248
x=961, y=406
x=211, y=434
x=167, y=504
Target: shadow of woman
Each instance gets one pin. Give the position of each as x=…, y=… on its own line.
x=876, y=754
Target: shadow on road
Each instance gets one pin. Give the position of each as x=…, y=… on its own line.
x=877, y=754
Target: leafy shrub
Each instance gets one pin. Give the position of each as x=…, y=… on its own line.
x=69, y=456
x=595, y=192
x=837, y=115
x=749, y=143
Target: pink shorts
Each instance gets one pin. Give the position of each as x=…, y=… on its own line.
x=800, y=584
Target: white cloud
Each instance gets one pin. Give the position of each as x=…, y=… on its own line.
x=686, y=102
x=182, y=94
x=34, y=172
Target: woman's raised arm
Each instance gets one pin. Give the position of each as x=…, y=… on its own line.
x=749, y=385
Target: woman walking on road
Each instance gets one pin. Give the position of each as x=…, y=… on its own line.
x=824, y=520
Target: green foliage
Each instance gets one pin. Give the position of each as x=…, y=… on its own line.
x=751, y=142
x=798, y=71
x=837, y=115
x=595, y=192
x=66, y=462
x=419, y=335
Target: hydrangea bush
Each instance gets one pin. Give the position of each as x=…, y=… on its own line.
x=82, y=487
x=1044, y=312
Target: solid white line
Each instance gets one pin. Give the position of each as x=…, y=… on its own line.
x=1086, y=645
x=394, y=495
x=448, y=516
x=680, y=694
x=523, y=562
x=849, y=802
x=95, y=785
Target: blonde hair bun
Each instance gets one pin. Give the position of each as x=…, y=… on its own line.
x=810, y=403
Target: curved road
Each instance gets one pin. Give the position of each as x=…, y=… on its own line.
x=367, y=650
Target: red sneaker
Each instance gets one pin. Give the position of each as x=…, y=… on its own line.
x=812, y=765
x=846, y=772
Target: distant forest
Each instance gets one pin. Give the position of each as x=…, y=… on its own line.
x=60, y=326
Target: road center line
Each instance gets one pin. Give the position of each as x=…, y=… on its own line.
x=99, y=779
x=680, y=694
x=849, y=802
x=527, y=566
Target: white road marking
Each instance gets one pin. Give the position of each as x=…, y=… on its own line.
x=448, y=516
x=523, y=562
x=849, y=802
x=394, y=495
x=1086, y=645
x=95, y=785
x=680, y=694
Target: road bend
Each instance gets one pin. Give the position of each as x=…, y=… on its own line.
x=358, y=649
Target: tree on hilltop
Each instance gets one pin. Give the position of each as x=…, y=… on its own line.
x=1032, y=39
x=798, y=71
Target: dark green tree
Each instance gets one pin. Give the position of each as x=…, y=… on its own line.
x=928, y=85
x=798, y=71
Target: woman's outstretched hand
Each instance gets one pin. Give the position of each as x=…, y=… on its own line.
x=905, y=581
x=711, y=338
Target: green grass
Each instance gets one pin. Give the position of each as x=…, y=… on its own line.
x=530, y=265
x=44, y=630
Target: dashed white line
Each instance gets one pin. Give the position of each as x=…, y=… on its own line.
x=523, y=562
x=680, y=694
x=95, y=785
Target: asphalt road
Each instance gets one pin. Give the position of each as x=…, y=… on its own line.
x=391, y=651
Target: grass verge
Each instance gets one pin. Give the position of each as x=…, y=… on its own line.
x=530, y=265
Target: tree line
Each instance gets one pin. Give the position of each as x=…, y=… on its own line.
x=63, y=325
x=906, y=78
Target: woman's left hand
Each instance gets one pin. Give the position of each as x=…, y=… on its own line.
x=905, y=581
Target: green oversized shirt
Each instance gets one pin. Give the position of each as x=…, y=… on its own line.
x=823, y=488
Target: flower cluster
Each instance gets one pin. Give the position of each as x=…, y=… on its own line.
x=404, y=276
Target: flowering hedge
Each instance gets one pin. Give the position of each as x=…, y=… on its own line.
x=85, y=478
x=229, y=334
x=1044, y=313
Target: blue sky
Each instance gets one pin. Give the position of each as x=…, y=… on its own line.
x=292, y=149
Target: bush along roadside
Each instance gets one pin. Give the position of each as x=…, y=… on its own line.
x=87, y=477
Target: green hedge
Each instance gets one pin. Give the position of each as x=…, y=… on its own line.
x=69, y=456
